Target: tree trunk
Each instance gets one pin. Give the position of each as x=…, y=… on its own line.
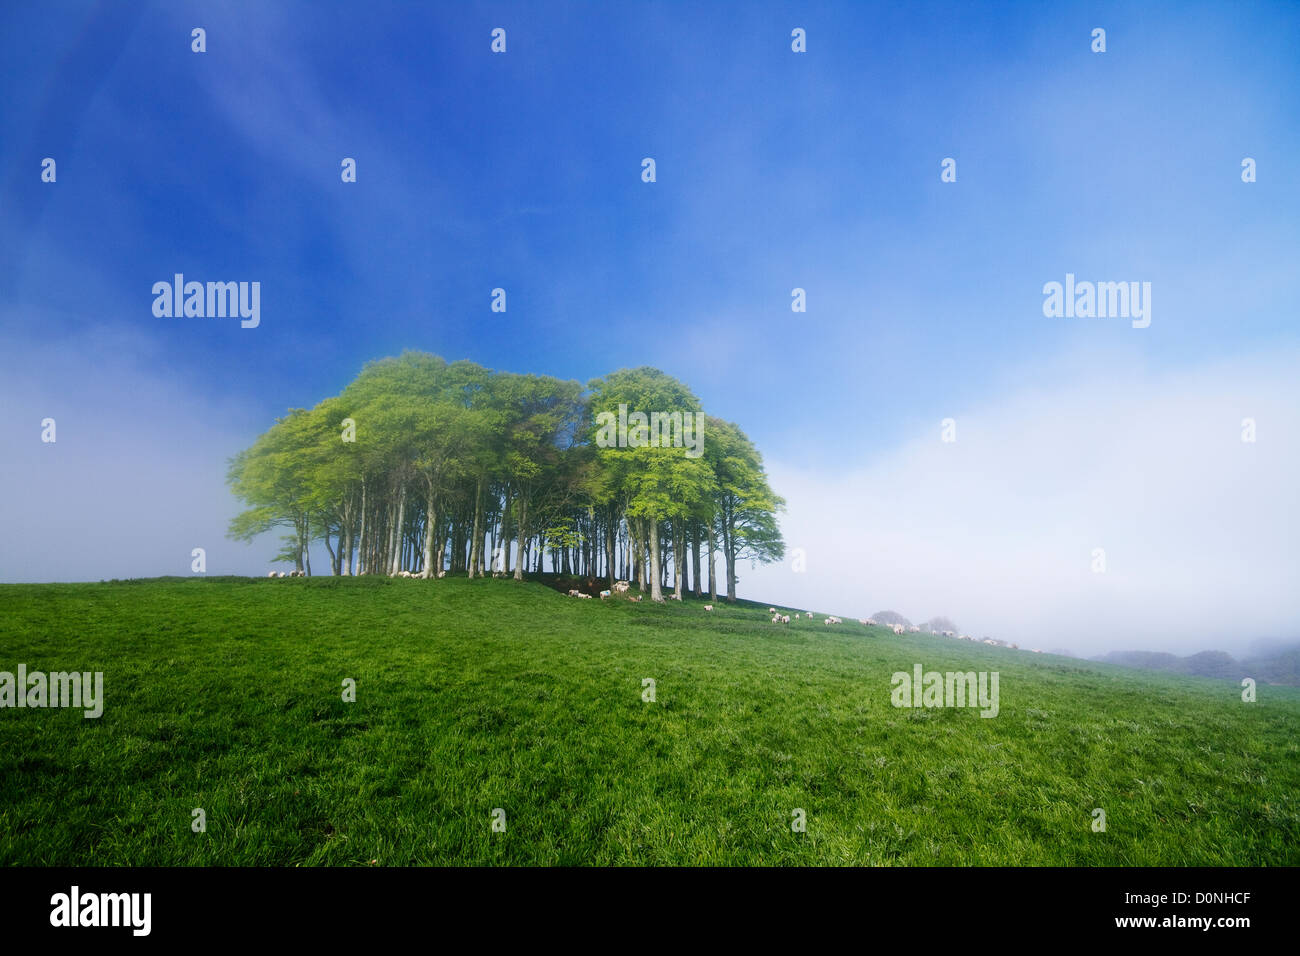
x=730, y=544
x=656, y=593
x=476, y=543
x=430, y=528
x=522, y=529
x=695, y=555
x=713, y=568
x=397, y=533
x=334, y=561
x=610, y=555
x=678, y=538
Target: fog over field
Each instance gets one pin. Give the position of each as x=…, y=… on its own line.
x=995, y=529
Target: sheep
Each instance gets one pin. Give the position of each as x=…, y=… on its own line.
x=832, y=620
x=621, y=586
x=771, y=610
x=913, y=629
x=1035, y=650
x=603, y=595
x=574, y=592
x=635, y=599
x=810, y=615
x=897, y=628
x=871, y=622
x=785, y=618
x=270, y=574
x=279, y=574
x=708, y=607
x=776, y=619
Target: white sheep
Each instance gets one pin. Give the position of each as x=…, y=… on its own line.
x=708, y=607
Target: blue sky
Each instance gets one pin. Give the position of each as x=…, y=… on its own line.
x=775, y=170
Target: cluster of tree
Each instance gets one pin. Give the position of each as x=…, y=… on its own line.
x=428, y=466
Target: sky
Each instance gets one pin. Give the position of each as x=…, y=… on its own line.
x=775, y=170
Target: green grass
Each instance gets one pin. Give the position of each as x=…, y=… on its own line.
x=225, y=694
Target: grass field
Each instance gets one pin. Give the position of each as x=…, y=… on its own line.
x=226, y=694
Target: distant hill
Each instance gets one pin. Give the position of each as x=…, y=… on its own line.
x=1281, y=666
x=890, y=617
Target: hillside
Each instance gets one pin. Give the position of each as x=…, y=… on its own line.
x=1281, y=666
x=225, y=694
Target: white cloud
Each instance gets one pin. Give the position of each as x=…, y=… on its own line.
x=996, y=530
x=136, y=477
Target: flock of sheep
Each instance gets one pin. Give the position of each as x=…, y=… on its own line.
x=620, y=587
x=779, y=618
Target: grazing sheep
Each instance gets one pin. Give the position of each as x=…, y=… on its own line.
x=771, y=610
x=898, y=629
x=635, y=599
x=603, y=595
x=785, y=618
x=871, y=622
x=776, y=619
x=270, y=574
x=708, y=607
